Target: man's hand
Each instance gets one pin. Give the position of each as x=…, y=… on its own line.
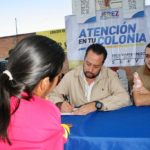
x=85, y=109
x=66, y=107
x=141, y=90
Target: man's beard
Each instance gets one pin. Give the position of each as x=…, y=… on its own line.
x=90, y=75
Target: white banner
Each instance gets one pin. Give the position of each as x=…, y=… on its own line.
x=125, y=40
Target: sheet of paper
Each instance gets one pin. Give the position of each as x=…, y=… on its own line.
x=69, y=113
x=64, y=114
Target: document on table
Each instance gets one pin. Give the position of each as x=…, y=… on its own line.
x=69, y=113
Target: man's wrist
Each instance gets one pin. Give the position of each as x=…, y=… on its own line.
x=98, y=105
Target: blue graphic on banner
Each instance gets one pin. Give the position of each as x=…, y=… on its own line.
x=124, y=39
x=92, y=19
x=138, y=14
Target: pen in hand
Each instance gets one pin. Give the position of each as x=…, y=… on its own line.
x=65, y=97
x=66, y=105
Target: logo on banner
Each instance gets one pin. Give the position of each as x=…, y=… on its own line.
x=106, y=14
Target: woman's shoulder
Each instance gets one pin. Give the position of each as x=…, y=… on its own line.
x=46, y=105
x=37, y=106
x=35, y=120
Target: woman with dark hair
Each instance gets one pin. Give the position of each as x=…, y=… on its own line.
x=27, y=120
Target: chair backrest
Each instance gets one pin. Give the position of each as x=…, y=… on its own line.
x=123, y=78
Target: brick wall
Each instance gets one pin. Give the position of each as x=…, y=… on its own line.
x=7, y=43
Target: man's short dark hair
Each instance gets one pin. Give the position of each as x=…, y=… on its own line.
x=98, y=49
x=148, y=45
